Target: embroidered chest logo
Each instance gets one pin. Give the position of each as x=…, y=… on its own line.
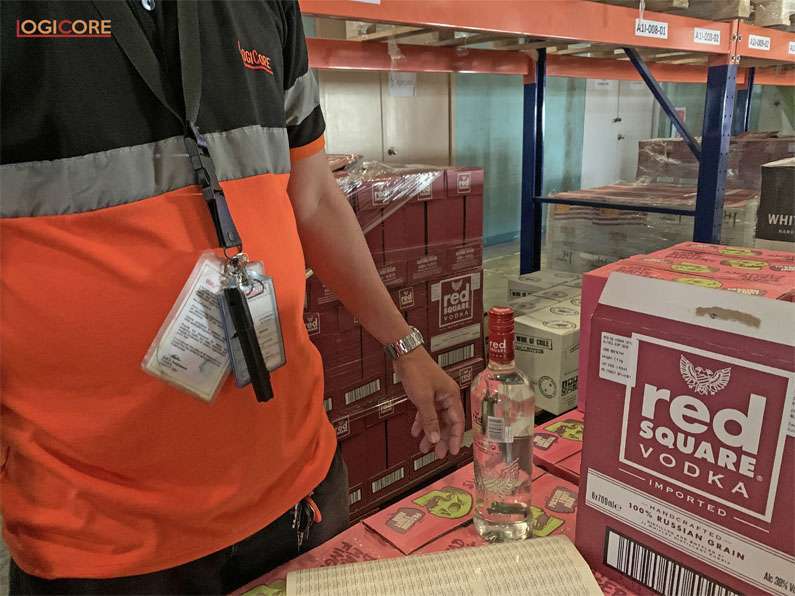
x=254, y=60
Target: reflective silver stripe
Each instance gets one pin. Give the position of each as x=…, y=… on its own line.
x=301, y=99
x=120, y=176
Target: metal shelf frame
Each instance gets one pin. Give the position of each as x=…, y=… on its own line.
x=730, y=43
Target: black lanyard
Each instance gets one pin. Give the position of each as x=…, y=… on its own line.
x=133, y=41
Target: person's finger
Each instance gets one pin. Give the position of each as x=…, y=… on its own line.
x=453, y=432
x=454, y=422
x=430, y=421
x=425, y=445
x=416, y=427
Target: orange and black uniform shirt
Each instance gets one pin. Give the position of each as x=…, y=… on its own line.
x=107, y=471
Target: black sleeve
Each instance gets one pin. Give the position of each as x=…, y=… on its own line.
x=301, y=95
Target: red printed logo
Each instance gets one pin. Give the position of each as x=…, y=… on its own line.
x=456, y=303
x=254, y=60
x=709, y=423
x=312, y=322
x=406, y=297
x=464, y=182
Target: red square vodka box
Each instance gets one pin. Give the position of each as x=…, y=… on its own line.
x=688, y=459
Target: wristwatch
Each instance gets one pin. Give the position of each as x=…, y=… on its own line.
x=405, y=344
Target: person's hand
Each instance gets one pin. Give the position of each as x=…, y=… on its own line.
x=440, y=413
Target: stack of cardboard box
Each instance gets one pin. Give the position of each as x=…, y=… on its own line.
x=547, y=307
x=424, y=227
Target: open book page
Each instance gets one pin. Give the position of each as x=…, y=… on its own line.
x=549, y=566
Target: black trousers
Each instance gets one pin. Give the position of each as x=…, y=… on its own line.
x=225, y=570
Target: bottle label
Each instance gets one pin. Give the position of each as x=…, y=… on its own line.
x=501, y=348
x=498, y=431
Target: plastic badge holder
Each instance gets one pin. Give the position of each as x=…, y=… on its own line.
x=189, y=351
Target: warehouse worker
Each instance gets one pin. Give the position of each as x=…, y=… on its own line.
x=115, y=480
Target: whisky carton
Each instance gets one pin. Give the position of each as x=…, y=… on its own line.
x=547, y=343
x=694, y=389
x=521, y=286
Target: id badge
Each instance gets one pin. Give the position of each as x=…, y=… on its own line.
x=189, y=350
x=261, y=299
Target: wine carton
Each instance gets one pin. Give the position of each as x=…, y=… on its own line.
x=547, y=343
x=521, y=286
x=691, y=463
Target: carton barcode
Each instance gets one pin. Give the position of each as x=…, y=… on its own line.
x=388, y=480
x=425, y=460
x=327, y=404
x=657, y=572
x=456, y=356
x=362, y=392
x=354, y=496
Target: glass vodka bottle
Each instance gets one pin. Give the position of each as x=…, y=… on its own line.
x=503, y=411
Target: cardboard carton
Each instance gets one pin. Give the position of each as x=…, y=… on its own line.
x=558, y=439
x=522, y=286
x=694, y=390
x=364, y=451
x=418, y=519
x=464, y=181
x=456, y=302
x=547, y=350
x=570, y=468
x=594, y=282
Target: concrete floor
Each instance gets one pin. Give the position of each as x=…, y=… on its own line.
x=498, y=261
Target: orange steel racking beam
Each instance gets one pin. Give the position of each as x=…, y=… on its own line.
x=372, y=55
x=575, y=20
x=765, y=43
x=339, y=54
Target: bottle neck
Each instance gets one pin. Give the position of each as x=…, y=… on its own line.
x=499, y=366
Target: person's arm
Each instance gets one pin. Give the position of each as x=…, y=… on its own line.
x=337, y=252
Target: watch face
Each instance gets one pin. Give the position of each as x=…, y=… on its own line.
x=547, y=387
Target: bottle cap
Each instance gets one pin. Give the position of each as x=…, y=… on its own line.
x=501, y=334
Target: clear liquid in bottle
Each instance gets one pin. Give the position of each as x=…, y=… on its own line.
x=503, y=413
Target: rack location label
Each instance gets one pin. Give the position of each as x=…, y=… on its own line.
x=759, y=42
x=647, y=28
x=791, y=50
x=706, y=36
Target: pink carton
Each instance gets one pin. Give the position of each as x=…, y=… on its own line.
x=737, y=251
x=416, y=520
x=354, y=545
x=570, y=468
x=554, y=512
x=594, y=281
x=558, y=439
x=694, y=263
x=689, y=479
